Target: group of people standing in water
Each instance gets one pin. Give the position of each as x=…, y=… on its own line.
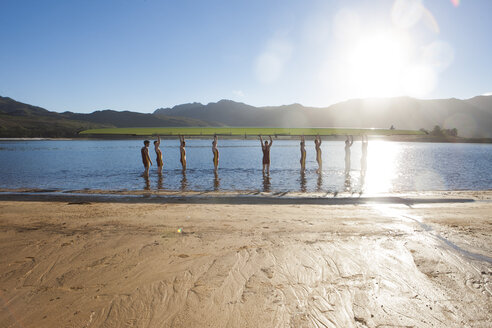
x=147, y=161
x=265, y=147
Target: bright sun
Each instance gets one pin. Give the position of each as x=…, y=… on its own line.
x=378, y=64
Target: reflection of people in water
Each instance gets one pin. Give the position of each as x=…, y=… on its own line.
x=184, y=181
x=216, y=181
x=147, y=162
x=303, y=154
x=348, y=144
x=159, y=182
x=317, y=144
x=348, y=182
x=303, y=181
x=320, y=181
x=266, y=182
x=147, y=182
x=182, y=152
x=158, y=152
x=215, y=151
x=265, y=147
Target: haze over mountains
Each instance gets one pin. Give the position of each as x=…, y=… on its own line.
x=472, y=117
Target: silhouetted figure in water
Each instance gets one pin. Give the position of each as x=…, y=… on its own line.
x=147, y=162
x=215, y=151
x=317, y=144
x=265, y=147
x=363, y=159
x=266, y=182
x=158, y=153
x=303, y=154
x=182, y=152
x=348, y=144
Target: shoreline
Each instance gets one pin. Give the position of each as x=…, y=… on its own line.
x=243, y=197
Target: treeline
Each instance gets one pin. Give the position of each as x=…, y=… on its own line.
x=437, y=131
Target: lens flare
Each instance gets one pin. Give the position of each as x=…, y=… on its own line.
x=455, y=3
x=406, y=13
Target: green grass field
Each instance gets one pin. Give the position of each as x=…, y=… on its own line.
x=236, y=131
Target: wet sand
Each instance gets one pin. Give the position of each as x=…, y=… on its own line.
x=79, y=262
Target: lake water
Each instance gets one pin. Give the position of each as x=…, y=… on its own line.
x=117, y=165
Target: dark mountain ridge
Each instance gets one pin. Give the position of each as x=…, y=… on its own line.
x=23, y=120
x=472, y=117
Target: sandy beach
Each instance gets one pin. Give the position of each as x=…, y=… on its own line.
x=413, y=260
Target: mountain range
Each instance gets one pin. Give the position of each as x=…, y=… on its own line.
x=22, y=120
x=472, y=117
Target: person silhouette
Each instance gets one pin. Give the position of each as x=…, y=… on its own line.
x=317, y=144
x=348, y=144
x=363, y=163
x=215, y=151
x=303, y=154
x=363, y=159
x=147, y=162
x=158, y=153
x=182, y=151
x=265, y=147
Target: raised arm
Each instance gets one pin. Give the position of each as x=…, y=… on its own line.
x=319, y=140
x=271, y=141
x=158, y=140
x=261, y=141
x=351, y=140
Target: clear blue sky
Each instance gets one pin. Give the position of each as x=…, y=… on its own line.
x=85, y=55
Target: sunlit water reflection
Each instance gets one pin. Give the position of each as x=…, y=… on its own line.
x=116, y=165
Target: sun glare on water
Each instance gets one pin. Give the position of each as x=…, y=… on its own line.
x=381, y=166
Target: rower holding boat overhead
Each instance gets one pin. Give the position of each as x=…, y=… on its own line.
x=265, y=147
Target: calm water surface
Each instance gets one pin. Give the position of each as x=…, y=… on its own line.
x=116, y=165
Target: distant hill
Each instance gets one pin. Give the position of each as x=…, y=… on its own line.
x=472, y=117
x=23, y=120
x=482, y=102
x=127, y=119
